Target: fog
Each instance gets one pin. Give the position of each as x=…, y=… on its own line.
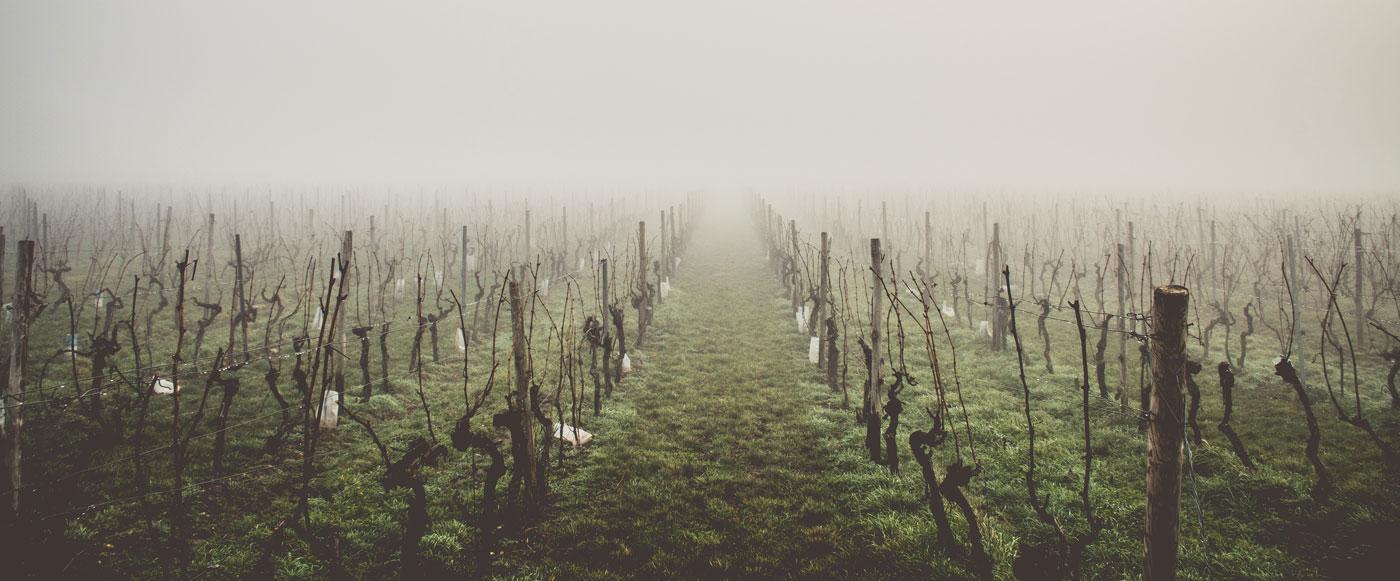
x=1206, y=97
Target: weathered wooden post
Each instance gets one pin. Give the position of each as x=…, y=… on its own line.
x=528, y=239
x=884, y=221
x=605, y=317
x=12, y=410
x=1214, y=268
x=797, y=298
x=823, y=287
x=165, y=234
x=1296, y=334
x=522, y=400
x=462, y=252
x=209, y=255
x=998, y=326
x=1123, y=284
x=665, y=255
x=768, y=224
x=347, y=249
x=239, y=308
x=873, y=407
x=988, y=280
x=928, y=246
x=1360, y=274
x=1166, y=432
x=2, y=260
x=1132, y=260
x=643, y=291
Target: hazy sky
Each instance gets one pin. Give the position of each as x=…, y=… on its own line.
x=1250, y=95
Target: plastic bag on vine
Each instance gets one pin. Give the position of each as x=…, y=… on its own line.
x=330, y=410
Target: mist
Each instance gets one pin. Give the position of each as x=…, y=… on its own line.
x=1184, y=97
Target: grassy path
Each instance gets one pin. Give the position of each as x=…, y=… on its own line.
x=722, y=455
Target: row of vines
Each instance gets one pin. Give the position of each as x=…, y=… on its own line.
x=340, y=380
x=895, y=293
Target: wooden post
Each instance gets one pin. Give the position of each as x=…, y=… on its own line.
x=641, y=283
x=1166, y=432
x=1360, y=325
x=873, y=406
x=884, y=222
x=165, y=235
x=998, y=332
x=928, y=244
x=1122, y=326
x=767, y=224
x=1297, y=332
x=462, y=252
x=988, y=268
x=209, y=267
x=1132, y=253
x=1214, y=269
x=606, y=318
x=2, y=261
x=665, y=254
x=797, y=298
x=347, y=249
x=823, y=287
x=44, y=243
x=238, y=305
x=12, y=408
x=521, y=359
x=1201, y=239
x=528, y=239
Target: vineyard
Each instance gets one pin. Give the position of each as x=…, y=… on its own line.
x=430, y=384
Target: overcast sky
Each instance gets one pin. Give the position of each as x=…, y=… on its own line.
x=1193, y=96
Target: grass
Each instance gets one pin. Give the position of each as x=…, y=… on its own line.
x=728, y=457
x=724, y=455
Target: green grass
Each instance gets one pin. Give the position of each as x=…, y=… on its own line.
x=724, y=455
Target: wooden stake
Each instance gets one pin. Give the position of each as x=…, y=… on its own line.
x=823, y=288
x=528, y=239
x=462, y=252
x=1165, y=432
x=12, y=406
x=347, y=250
x=1295, y=341
x=521, y=358
x=797, y=298
x=873, y=407
x=998, y=328
x=209, y=268
x=1123, y=283
x=641, y=283
x=665, y=254
x=1360, y=273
